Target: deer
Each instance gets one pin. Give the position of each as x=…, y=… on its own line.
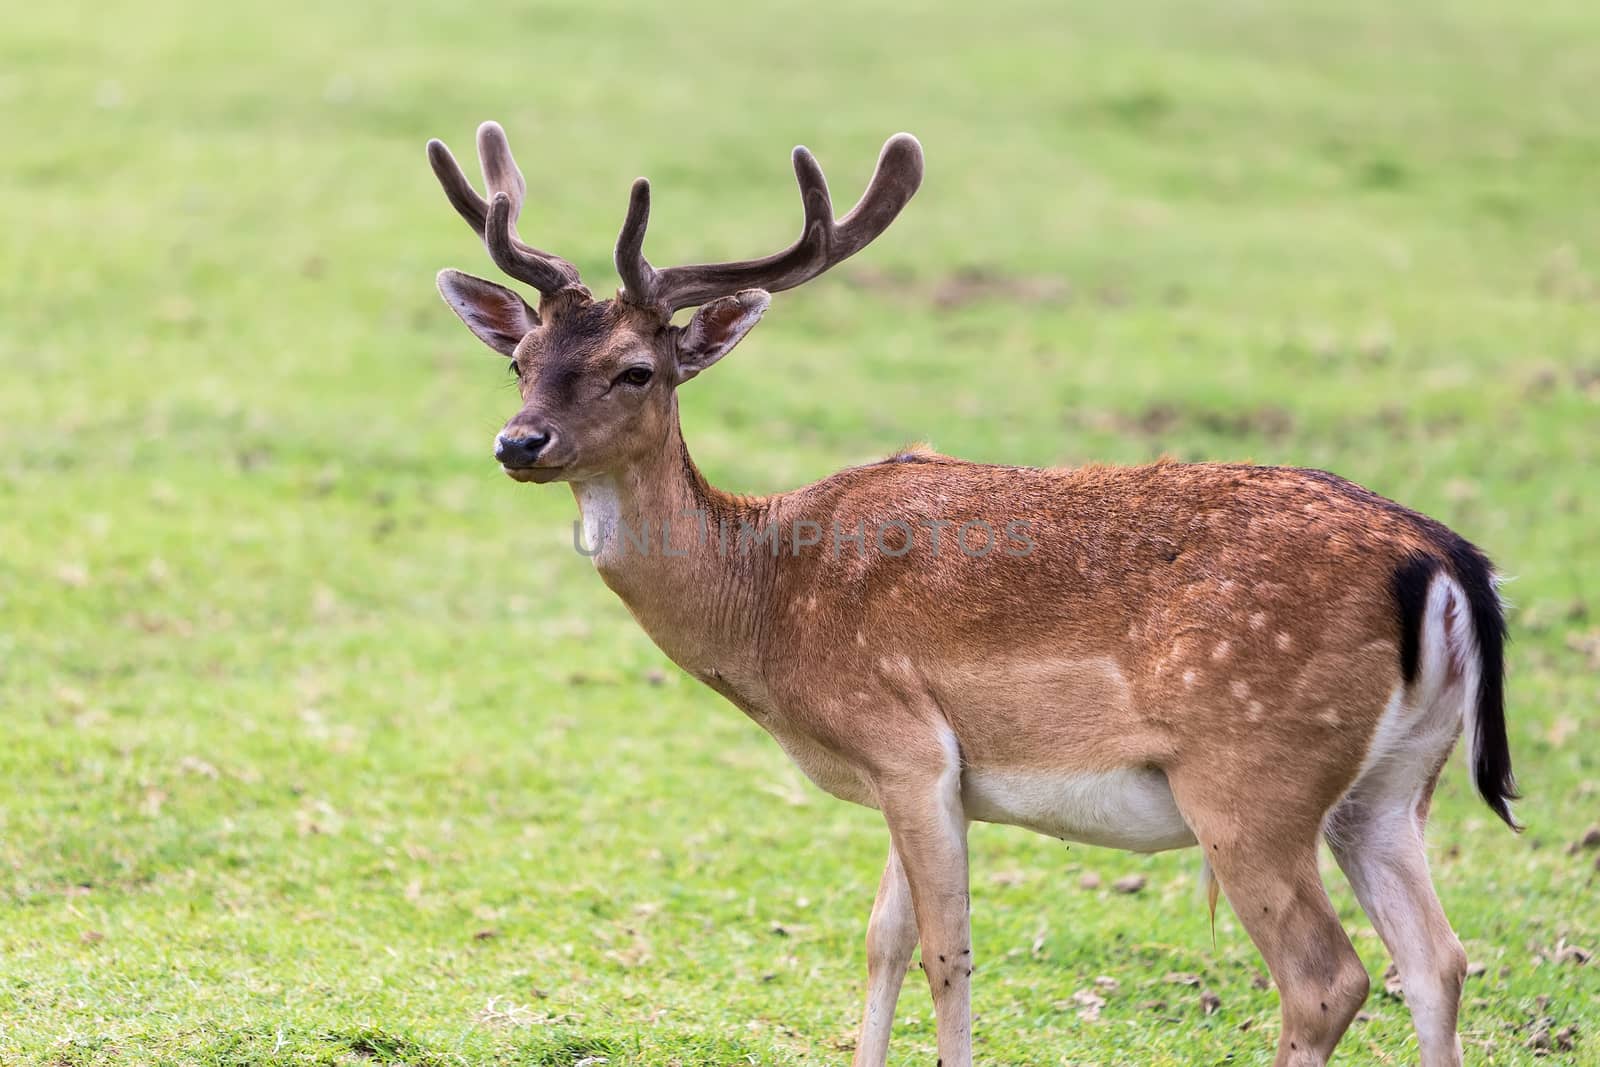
x=1247, y=660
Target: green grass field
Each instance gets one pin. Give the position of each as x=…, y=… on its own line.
x=321, y=745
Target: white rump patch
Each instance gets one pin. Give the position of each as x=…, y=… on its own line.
x=1421, y=722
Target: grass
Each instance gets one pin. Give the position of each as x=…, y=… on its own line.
x=322, y=746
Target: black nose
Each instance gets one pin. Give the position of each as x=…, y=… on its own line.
x=520, y=451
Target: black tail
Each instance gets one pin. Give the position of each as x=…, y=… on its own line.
x=1472, y=571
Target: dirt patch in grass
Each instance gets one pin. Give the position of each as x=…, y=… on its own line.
x=1163, y=421
x=966, y=286
x=376, y=1045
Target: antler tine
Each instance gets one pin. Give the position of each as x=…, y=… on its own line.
x=537, y=271
x=895, y=181
x=822, y=243
x=500, y=171
x=544, y=271
x=639, y=278
x=462, y=196
x=815, y=201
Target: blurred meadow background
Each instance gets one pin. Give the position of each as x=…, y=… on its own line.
x=322, y=746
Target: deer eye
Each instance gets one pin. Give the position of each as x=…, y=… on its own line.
x=515, y=371
x=635, y=376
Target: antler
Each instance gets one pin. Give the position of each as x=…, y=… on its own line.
x=495, y=220
x=822, y=242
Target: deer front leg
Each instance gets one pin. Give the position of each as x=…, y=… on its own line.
x=891, y=937
x=922, y=805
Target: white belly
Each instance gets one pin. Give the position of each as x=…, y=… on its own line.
x=1130, y=808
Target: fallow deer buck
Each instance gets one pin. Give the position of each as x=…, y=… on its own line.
x=1241, y=658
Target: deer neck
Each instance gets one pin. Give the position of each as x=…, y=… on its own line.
x=663, y=539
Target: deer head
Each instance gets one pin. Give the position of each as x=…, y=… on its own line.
x=598, y=378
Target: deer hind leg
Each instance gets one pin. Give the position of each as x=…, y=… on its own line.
x=891, y=938
x=1267, y=868
x=1378, y=843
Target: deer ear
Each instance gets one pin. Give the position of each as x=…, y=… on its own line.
x=499, y=317
x=716, y=328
